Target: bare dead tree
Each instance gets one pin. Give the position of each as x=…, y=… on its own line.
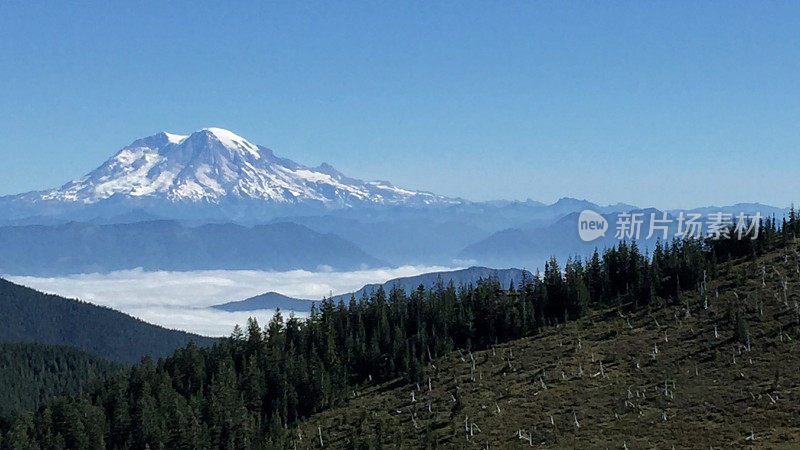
x=472, y=427
x=525, y=436
x=601, y=372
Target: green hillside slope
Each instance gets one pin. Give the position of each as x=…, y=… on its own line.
x=27, y=315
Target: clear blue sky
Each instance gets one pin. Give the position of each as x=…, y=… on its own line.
x=675, y=103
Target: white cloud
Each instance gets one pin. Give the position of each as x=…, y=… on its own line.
x=180, y=299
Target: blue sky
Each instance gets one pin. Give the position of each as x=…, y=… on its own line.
x=668, y=104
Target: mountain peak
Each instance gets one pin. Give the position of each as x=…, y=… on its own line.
x=228, y=139
x=570, y=201
x=214, y=164
x=223, y=134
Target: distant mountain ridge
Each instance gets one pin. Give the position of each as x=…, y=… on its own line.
x=268, y=300
x=493, y=234
x=167, y=245
x=274, y=300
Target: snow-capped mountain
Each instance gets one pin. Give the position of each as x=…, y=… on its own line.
x=214, y=165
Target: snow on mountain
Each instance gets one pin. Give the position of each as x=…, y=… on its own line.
x=213, y=164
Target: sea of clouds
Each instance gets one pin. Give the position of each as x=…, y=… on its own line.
x=181, y=300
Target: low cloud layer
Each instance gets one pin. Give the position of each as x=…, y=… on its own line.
x=179, y=300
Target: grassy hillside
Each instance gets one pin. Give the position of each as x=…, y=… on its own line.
x=32, y=374
x=724, y=375
x=27, y=315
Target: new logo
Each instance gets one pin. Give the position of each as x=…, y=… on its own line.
x=591, y=225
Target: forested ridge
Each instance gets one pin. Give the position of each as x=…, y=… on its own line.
x=249, y=390
x=31, y=316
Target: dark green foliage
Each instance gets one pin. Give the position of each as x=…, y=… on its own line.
x=31, y=316
x=32, y=374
